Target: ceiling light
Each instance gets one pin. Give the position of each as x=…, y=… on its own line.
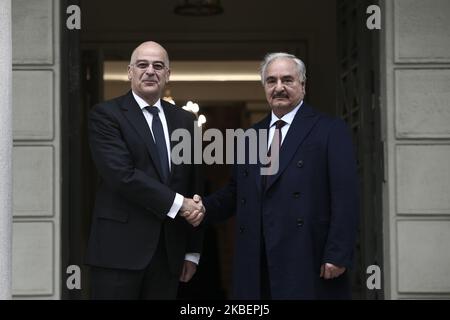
x=198, y=7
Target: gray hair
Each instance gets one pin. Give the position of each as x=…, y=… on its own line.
x=270, y=57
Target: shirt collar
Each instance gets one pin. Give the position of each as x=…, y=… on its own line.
x=288, y=117
x=142, y=104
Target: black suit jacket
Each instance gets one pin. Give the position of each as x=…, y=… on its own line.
x=132, y=201
x=307, y=213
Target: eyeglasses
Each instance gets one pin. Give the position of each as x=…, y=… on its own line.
x=143, y=65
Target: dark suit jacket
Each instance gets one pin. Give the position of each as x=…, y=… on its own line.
x=132, y=201
x=308, y=212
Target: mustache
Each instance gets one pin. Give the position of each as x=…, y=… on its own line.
x=279, y=95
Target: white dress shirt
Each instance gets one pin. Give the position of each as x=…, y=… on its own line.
x=288, y=118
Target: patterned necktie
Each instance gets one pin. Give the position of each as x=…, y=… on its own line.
x=277, y=136
x=160, y=141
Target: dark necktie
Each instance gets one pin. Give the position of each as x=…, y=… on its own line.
x=277, y=136
x=160, y=142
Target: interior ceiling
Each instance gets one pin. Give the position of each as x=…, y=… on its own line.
x=246, y=31
x=101, y=17
x=159, y=16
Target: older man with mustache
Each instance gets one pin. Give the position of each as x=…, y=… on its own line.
x=295, y=229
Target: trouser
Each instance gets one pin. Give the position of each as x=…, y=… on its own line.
x=155, y=282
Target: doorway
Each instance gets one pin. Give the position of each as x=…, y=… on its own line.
x=235, y=38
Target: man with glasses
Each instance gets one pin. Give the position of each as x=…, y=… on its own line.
x=140, y=246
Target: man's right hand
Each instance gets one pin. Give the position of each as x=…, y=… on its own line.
x=193, y=210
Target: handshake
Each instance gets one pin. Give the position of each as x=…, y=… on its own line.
x=193, y=210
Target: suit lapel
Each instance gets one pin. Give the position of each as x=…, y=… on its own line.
x=133, y=113
x=256, y=169
x=302, y=124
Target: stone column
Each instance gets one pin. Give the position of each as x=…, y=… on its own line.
x=5, y=149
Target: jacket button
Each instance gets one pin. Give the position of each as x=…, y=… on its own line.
x=243, y=200
x=245, y=173
x=299, y=222
x=296, y=194
x=241, y=229
x=300, y=163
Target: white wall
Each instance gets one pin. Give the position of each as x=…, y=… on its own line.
x=415, y=69
x=36, y=152
x=6, y=149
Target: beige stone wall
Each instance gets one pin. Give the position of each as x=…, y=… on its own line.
x=415, y=77
x=6, y=149
x=36, y=151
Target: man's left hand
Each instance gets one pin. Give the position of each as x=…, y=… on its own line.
x=330, y=271
x=189, y=269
